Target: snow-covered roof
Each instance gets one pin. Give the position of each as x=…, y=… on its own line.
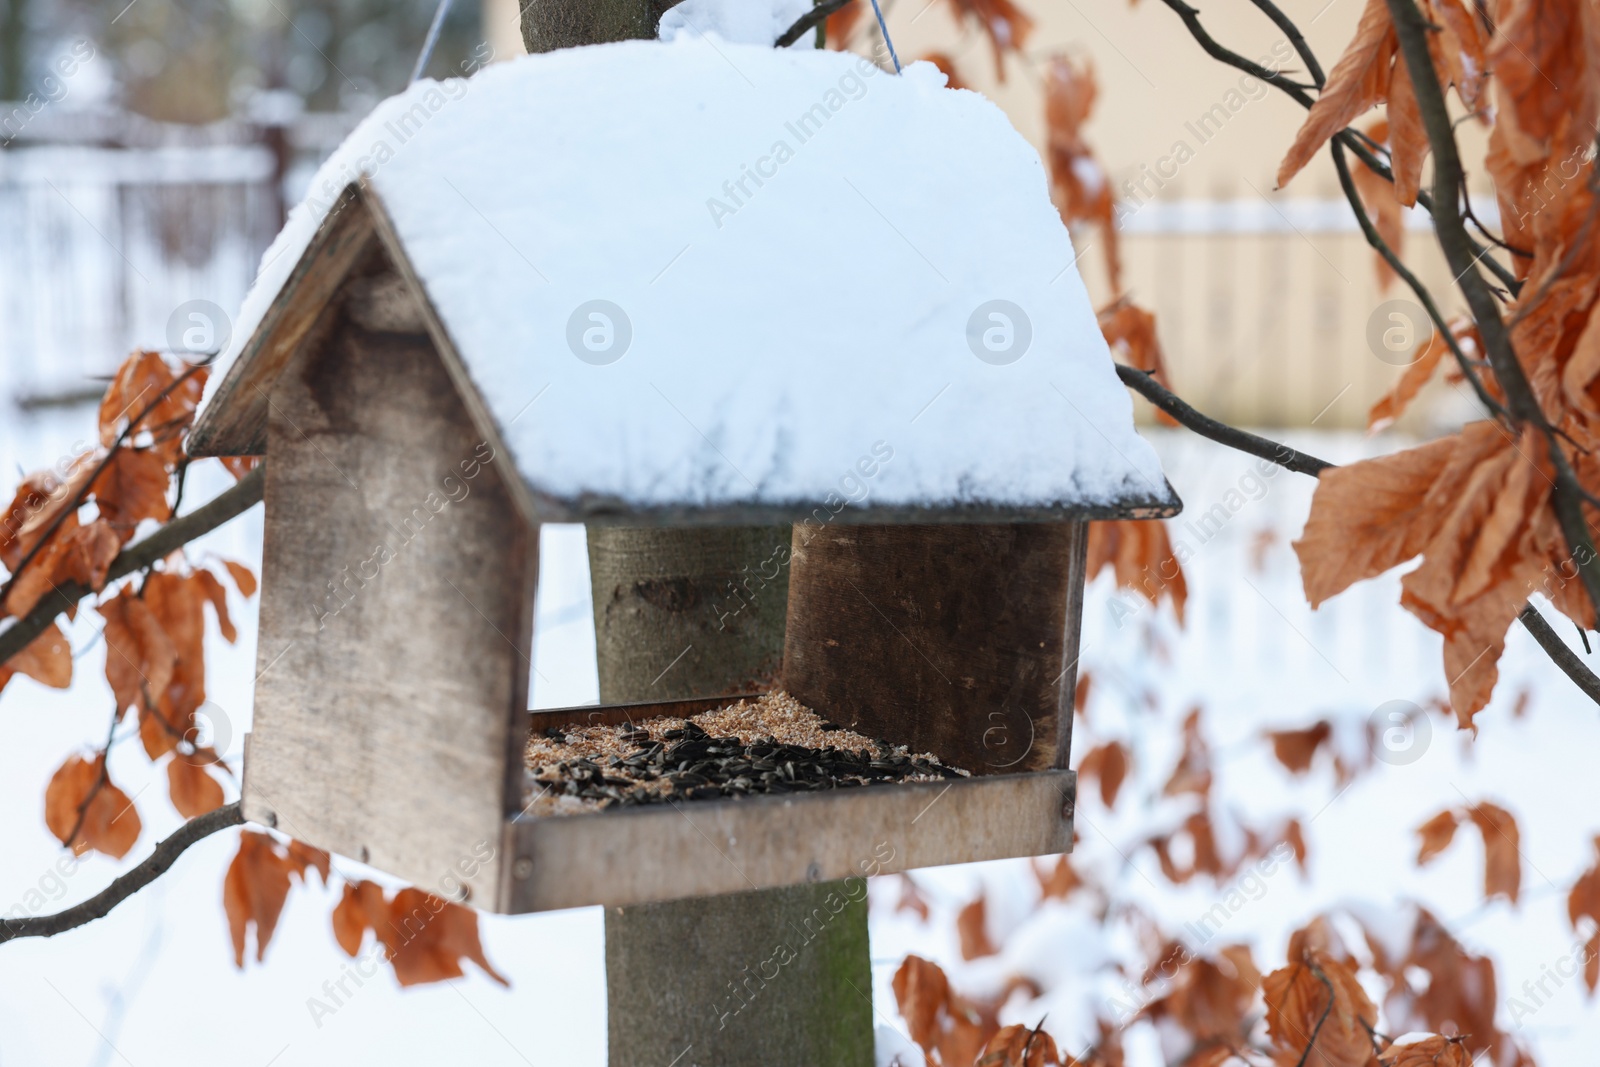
x=703, y=275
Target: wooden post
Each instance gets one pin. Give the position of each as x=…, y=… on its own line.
x=775, y=978
x=759, y=979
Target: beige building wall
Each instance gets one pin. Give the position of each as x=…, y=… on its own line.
x=1265, y=299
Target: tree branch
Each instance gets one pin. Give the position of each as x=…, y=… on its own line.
x=1350, y=138
x=1300, y=463
x=1379, y=245
x=154, y=866
x=1559, y=653
x=1220, y=432
x=180, y=531
x=1459, y=250
x=807, y=22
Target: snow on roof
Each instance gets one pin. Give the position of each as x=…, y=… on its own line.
x=703, y=274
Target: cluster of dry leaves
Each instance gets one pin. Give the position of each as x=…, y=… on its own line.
x=1211, y=1006
x=1477, y=505
x=60, y=538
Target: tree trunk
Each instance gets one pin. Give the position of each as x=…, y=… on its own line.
x=772, y=978
x=551, y=24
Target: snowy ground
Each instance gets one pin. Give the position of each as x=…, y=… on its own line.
x=154, y=982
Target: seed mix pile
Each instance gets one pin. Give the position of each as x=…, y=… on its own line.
x=770, y=745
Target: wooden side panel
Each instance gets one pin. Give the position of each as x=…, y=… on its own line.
x=397, y=593
x=957, y=640
x=707, y=847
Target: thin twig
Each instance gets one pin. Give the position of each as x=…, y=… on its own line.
x=1379, y=245
x=1296, y=38
x=1559, y=653
x=1325, y=1013
x=1353, y=139
x=180, y=531
x=100, y=779
x=83, y=491
x=1300, y=463
x=807, y=22
x=154, y=866
x=1220, y=432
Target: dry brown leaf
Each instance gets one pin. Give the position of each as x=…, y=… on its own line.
x=139, y=655
x=254, y=891
x=47, y=659
x=1378, y=197
x=1502, y=856
x=132, y=488
x=1591, y=964
x=218, y=598
x=1435, y=1051
x=1141, y=556
x=1436, y=834
x=1212, y=998
x=1295, y=749
x=1006, y=25
x=1457, y=996
x=911, y=898
x=361, y=908
x=244, y=579
x=1193, y=772
x=39, y=503
x=194, y=792
x=177, y=602
x=1294, y=836
x=1369, y=517
x=1357, y=82
x=136, y=390
x=842, y=23
x=1059, y=881
x=81, y=796
x=1109, y=764
x=1130, y=330
x=1079, y=183
x=1317, y=1012
x=239, y=466
x=972, y=928
x=947, y=66
x=1584, y=900
x=1408, y=141
x=426, y=939
x=1393, y=404
x=950, y=1029
x=1020, y=1046
x=306, y=857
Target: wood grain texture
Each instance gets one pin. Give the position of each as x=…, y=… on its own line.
x=707, y=847
x=950, y=639
x=234, y=421
x=686, y=612
x=776, y=978
x=397, y=590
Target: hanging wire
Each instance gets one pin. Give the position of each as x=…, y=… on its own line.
x=433, y=38
x=883, y=28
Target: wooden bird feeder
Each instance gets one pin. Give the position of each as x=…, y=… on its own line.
x=417, y=368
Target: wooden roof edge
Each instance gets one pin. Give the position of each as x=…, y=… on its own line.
x=233, y=421
x=609, y=511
